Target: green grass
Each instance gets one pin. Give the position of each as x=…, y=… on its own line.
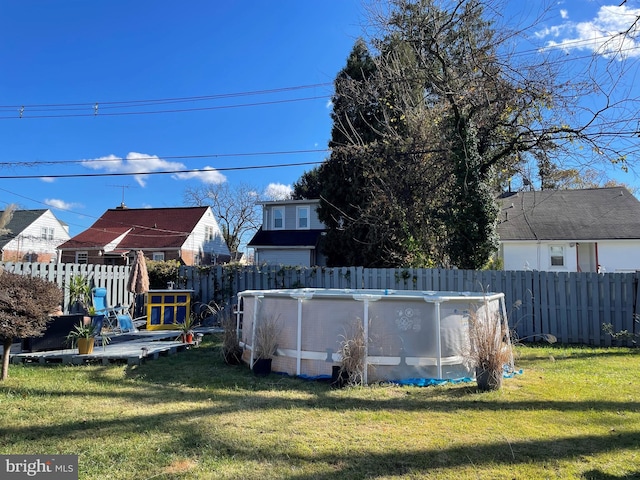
x=574, y=413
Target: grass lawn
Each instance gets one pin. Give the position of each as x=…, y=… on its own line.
x=574, y=413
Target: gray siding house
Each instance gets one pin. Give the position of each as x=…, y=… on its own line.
x=290, y=234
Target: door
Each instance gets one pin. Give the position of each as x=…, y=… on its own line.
x=587, y=257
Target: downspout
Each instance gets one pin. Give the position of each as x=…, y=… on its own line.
x=597, y=260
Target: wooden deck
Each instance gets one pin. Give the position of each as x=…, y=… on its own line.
x=132, y=348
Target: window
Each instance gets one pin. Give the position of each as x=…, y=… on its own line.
x=557, y=255
x=46, y=233
x=208, y=233
x=82, y=257
x=278, y=218
x=303, y=218
x=157, y=256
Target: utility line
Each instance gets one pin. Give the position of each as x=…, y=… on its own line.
x=21, y=115
x=167, y=100
x=163, y=172
x=98, y=106
x=35, y=163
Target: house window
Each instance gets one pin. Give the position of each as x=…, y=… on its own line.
x=278, y=218
x=82, y=257
x=46, y=233
x=557, y=255
x=303, y=218
x=157, y=256
x=208, y=233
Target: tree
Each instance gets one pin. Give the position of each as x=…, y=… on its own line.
x=572, y=178
x=5, y=218
x=235, y=208
x=25, y=305
x=422, y=142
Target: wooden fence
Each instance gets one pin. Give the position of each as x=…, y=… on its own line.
x=113, y=278
x=571, y=306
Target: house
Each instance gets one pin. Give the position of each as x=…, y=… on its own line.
x=32, y=236
x=188, y=234
x=289, y=235
x=587, y=230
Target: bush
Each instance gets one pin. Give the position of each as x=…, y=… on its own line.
x=26, y=304
x=161, y=273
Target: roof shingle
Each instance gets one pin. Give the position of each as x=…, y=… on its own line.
x=589, y=214
x=145, y=228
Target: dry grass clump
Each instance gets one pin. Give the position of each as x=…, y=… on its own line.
x=489, y=346
x=352, y=351
x=265, y=340
x=231, y=349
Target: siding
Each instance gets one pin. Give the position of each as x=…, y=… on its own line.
x=291, y=216
x=30, y=240
x=284, y=257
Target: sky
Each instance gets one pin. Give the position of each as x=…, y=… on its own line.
x=208, y=91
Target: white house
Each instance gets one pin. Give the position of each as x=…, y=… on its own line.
x=289, y=235
x=587, y=230
x=32, y=236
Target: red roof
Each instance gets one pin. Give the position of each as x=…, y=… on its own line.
x=145, y=228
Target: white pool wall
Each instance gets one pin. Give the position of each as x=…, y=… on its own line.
x=411, y=334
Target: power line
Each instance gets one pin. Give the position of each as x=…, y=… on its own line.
x=34, y=163
x=22, y=116
x=167, y=100
x=163, y=172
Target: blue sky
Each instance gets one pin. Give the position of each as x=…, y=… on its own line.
x=266, y=67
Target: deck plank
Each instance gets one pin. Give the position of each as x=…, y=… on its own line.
x=130, y=348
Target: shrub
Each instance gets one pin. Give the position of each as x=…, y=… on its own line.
x=26, y=304
x=161, y=273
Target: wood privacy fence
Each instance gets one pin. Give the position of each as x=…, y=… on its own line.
x=571, y=306
x=113, y=278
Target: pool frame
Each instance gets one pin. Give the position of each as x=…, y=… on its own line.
x=367, y=297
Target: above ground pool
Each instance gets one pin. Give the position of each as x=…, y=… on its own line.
x=411, y=335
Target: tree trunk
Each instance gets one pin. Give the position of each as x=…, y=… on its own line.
x=5, y=357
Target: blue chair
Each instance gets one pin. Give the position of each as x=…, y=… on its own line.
x=117, y=318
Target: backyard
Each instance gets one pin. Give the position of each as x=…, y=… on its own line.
x=573, y=413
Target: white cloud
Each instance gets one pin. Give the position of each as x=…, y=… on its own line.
x=564, y=14
x=206, y=175
x=278, y=191
x=140, y=163
x=48, y=179
x=60, y=204
x=601, y=35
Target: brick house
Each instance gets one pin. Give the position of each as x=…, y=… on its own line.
x=190, y=235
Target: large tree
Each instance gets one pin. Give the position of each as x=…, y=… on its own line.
x=426, y=133
x=234, y=206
